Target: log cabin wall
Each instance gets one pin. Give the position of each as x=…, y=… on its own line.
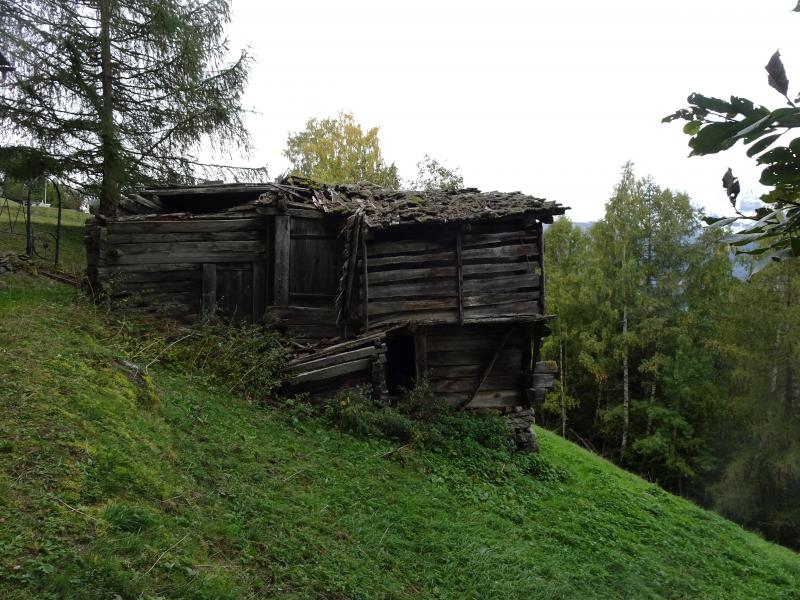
x=453, y=273
x=178, y=268
x=477, y=366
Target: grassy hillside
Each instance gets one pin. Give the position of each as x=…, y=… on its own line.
x=107, y=491
x=12, y=234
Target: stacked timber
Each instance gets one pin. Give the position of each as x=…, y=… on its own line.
x=477, y=366
x=360, y=361
x=181, y=267
x=467, y=274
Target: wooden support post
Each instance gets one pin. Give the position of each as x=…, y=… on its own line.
x=460, y=273
x=487, y=371
x=209, y=300
x=527, y=354
x=365, y=281
x=259, y=291
x=421, y=352
x=283, y=224
x=540, y=242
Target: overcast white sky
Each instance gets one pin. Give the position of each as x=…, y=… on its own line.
x=549, y=98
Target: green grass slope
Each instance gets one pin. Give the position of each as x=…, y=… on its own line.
x=105, y=493
x=12, y=233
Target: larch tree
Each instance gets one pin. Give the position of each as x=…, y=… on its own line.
x=112, y=94
x=337, y=150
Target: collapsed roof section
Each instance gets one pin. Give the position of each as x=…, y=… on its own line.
x=381, y=208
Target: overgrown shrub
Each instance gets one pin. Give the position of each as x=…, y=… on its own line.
x=243, y=358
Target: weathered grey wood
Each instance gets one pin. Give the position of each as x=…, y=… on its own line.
x=472, y=342
x=352, y=260
x=334, y=359
x=428, y=317
x=500, y=299
x=259, y=291
x=493, y=269
x=331, y=371
x=405, y=275
x=282, y=259
x=388, y=248
x=209, y=298
x=526, y=343
x=148, y=268
x=468, y=384
x=199, y=236
x=509, y=357
x=513, y=311
x=402, y=259
x=364, y=340
x=364, y=282
x=401, y=306
x=213, y=190
x=308, y=315
x=182, y=247
x=489, y=366
x=269, y=211
x=460, y=275
x=539, y=230
x=185, y=257
x=128, y=287
x=430, y=289
x=500, y=284
x=421, y=352
x=501, y=252
x=492, y=239
x=193, y=225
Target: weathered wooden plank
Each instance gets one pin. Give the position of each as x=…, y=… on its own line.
x=401, y=306
x=364, y=340
x=473, y=342
x=512, y=310
x=282, y=254
x=475, y=240
x=468, y=384
x=501, y=252
x=460, y=275
x=406, y=275
x=428, y=317
x=185, y=257
x=364, y=282
x=493, y=269
x=187, y=276
x=148, y=268
x=209, y=296
x=309, y=315
x=331, y=371
x=428, y=289
x=404, y=259
x=259, y=291
x=500, y=299
x=128, y=287
x=500, y=284
x=489, y=366
x=181, y=247
x=334, y=359
x=185, y=226
x=199, y=236
x=311, y=332
x=377, y=249
x=507, y=357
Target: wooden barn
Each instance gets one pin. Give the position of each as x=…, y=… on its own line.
x=377, y=287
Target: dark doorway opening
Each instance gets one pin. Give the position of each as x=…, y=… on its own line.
x=401, y=370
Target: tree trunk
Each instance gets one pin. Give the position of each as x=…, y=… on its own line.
x=108, y=140
x=626, y=408
x=650, y=406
